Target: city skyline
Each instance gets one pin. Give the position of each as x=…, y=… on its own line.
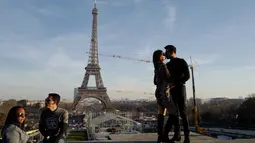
x=44, y=43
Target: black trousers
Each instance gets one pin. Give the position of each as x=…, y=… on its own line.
x=178, y=94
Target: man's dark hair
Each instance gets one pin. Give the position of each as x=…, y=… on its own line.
x=55, y=97
x=171, y=48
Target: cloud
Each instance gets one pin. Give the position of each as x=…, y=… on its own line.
x=114, y=3
x=102, y=2
x=146, y=52
x=51, y=65
x=171, y=14
x=138, y=1
x=14, y=22
x=203, y=59
x=52, y=11
x=61, y=63
x=250, y=68
x=58, y=66
x=131, y=88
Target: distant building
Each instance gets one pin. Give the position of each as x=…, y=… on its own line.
x=217, y=99
x=33, y=102
x=33, y=114
x=66, y=101
x=75, y=93
x=237, y=100
x=199, y=101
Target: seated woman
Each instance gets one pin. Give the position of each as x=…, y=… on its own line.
x=13, y=130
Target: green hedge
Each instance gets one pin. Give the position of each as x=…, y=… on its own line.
x=76, y=136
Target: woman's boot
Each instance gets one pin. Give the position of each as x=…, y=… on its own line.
x=160, y=127
x=168, y=127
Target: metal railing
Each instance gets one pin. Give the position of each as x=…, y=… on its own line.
x=32, y=131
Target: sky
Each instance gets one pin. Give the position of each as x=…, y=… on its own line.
x=44, y=43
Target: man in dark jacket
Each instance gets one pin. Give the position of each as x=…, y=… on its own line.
x=54, y=120
x=179, y=71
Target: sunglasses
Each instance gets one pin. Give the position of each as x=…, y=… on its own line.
x=21, y=115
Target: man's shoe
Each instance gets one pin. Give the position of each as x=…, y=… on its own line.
x=186, y=140
x=160, y=139
x=165, y=139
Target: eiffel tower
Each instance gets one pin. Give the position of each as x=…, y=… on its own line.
x=99, y=91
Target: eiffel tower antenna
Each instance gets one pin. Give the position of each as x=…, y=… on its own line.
x=95, y=3
x=93, y=57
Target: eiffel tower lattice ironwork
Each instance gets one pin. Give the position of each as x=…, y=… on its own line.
x=99, y=92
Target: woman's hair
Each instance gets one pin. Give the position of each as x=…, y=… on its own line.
x=156, y=58
x=12, y=117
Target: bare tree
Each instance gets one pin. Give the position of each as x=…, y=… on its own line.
x=22, y=103
x=246, y=114
x=2, y=119
x=6, y=106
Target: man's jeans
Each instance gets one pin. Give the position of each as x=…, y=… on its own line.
x=178, y=94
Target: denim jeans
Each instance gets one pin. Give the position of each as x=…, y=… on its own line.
x=178, y=94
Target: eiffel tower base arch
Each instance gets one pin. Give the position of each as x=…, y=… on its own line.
x=99, y=94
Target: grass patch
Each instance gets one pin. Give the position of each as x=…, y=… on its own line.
x=77, y=136
x=73, y=138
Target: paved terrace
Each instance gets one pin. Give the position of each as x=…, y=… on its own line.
x=151, y=138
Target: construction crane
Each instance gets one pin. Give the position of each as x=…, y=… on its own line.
x=121, y=57
x=129, y=58
x=131, y=91
x=195, y=110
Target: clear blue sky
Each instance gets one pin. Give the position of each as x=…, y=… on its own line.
x=43, y=44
